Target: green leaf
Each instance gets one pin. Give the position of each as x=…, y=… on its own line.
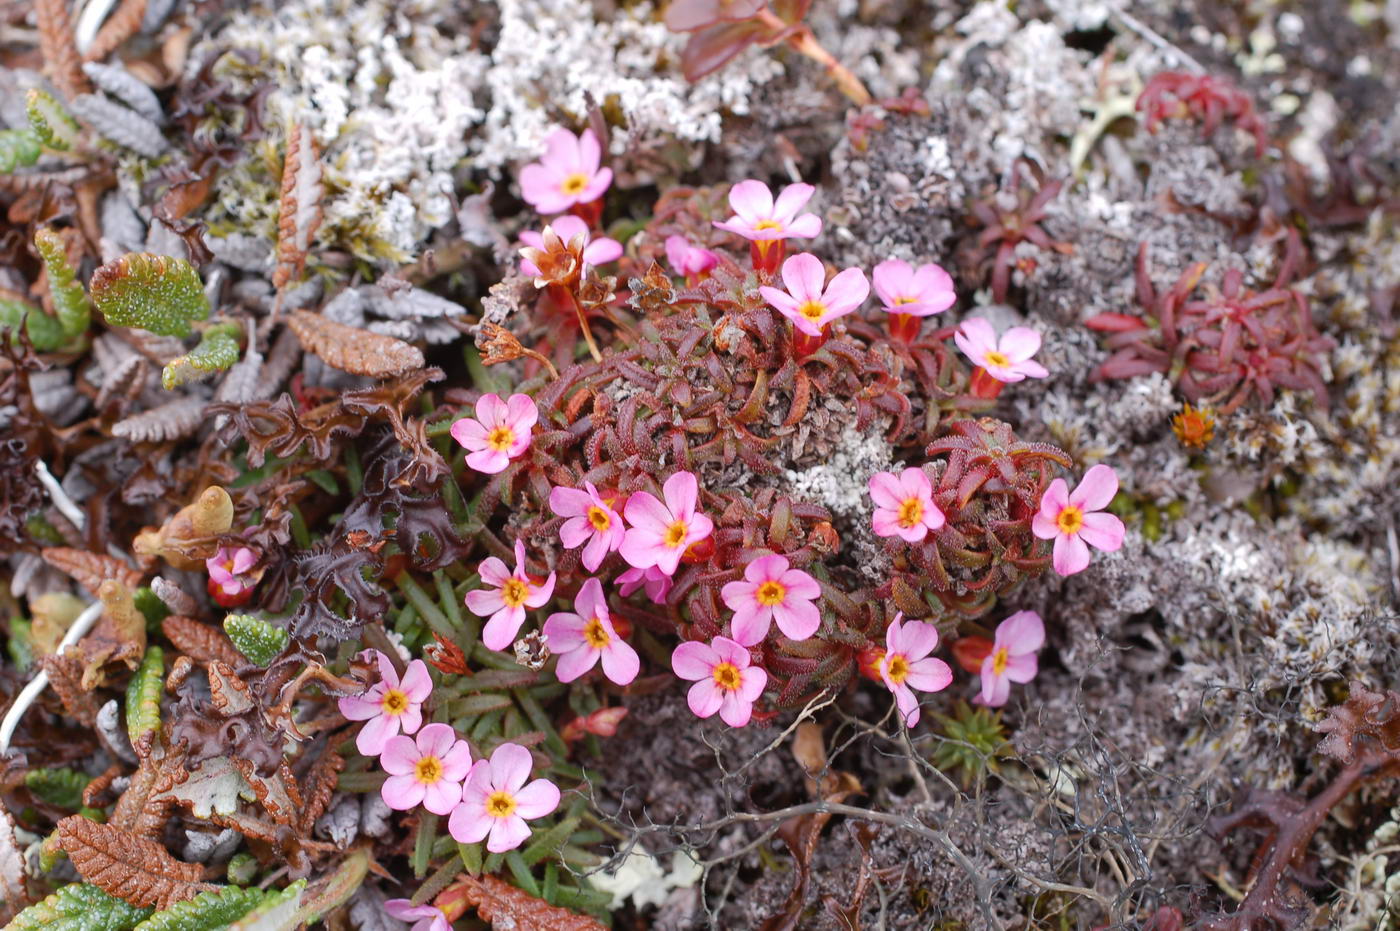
x=154, y=292
x=216, y=352
x=18, y=148
x=548, y=843
x=21, y=643
x=150, y=605
x=208, y=910
x=78, y=907
x=255, y=638
x=70, y=302
x=45, y=332
x=278, y=912
x=50, y=122
x=62, y=788
x=143, y=696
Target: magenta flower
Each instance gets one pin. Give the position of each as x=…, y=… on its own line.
x=506, y=597
x=690, y=261
x=806, y=303
x=904, y=505
x=1067, y=519
x=771, y=591
x=595, y=251
x=390, y=705
x=580, y=639
x=724, y=679
x=496, y=801
x=591, y=519
x=429, y=917
x=659, y=533
x=500, y=433
x=907, y=665
x=427, y=770
x=919, y=293
x=227, y=568
x=568, y=174
x=658, y=583
x=759, y=219
x=1012, y=658
x=1009, y=360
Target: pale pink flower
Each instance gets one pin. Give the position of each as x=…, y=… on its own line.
x=657, y=583
x=591, y=519
x=918, y=292
x=1067, y=519
x=907, y=665
x=904, y=505
x=1012, y=658
x=506, y=597
x=806, y=303
x=390, y=705
x=1008, y=360
x=567, y=174
x=227, y=568
x=759, y=219
x=659, y=533
x=428, y=917
x=772, y=591
x=579, y=640
x=425, y=770
x=500, y=433
x=725, y=681
x=690, y=261
x=595, y=251
x=496, y=801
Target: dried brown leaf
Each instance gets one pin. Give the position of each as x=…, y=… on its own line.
x=12, y=884
x=352, y=350
x=505, y=906
x=119, y=637
x=201, y=642
x=90, y=570
x=319, y=787
x=124, y=23
x=132, y=868
x=300, y=211
x=170, y=421
x=62, y=63
x=66, y=678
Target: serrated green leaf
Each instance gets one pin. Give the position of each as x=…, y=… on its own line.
x=62, y=788
x=78, y=907
x=70, y=302
x=278, y=912
x=255, y=638
x=19, y=148
x=216, y=352
x=45, y=332
x=242, y=868
x=143, y=695
x=50, y=122
x=208, y=910
x=154, y=292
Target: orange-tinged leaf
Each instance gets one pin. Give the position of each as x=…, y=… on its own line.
x=90, y=570
x=201, y=642
x=353, y=350
x=505, y=906
x=121, y=864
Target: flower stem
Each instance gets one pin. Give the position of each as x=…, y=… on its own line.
x=804, y=42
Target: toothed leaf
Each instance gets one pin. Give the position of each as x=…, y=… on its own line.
x=70, y=302
x=143, y=696
x=62, y=788
x=278, y=912
x=154, y=292
x=255, y=638
x=78, y=907
x=208, y=910
x=19, y=148
x=217, y=351
x=50, y=122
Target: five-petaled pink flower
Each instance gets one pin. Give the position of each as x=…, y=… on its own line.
x=580, y=639
x=907, y=665
x=1008, y=360
x=917, y=292
x=425, y=770
x=506, y=597
x=1012, y=658
x=590, y=518
x=808, y=304
x=1067, y=519
x=595, y=251
x=657, y=583
x=904, y=505
x=428, y=917
x=500, y=433
x=496, y=801
x=759, y=219
x=659, y=533
x=724, y=679
x=690, y=261
x=227, y=568
x=567, y=174
x=390, y=705
x=771, y=591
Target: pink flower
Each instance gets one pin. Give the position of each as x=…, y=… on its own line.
x=496, y=801
x=580, y=639
x=427, y=770
x=805, y=303
x=907, y=665
x=1067, y=519
x=724, y=680
x=595, y=251
x=1012, y=658
x=500, y=433
x=505, y=599
x=590, y=518
x=658, y=583
x=921, y=293
x=227, y=568
x=1009, y=360
x=759, y=219
x=568, y=174
x=659, y=533
x=904, y=505
x=690, y=261
x=430, y=917
x=771, y=591
x=390, y=705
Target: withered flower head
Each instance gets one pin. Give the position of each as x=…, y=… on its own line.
x=596, y=292
x=1194, y=427
x=497, y=344
x=557, y=261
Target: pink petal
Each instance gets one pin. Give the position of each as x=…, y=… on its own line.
x=1071, y=555
x=911, y=534
x=575, y=531
x=491, y=411
x=645, y=512
x=436, y=740
x=996, y=691
x=798, y=620
x=908, y=705
x=1096, y=489
x=243, y=560
x=521, y=413
x=601, y=251
x=704, y=697
x=564, y=631
x=1021, y=668
x=410, y=719
x=792, y=199
x=442, y=796
x=537, y=799
x=682, y=491
x=750, y=623
x=914, y=483
x=493, y=572
x=499, y=632
x=847, y=291
x=800, y=585
x=507, y=834
x=892, y=281
x=694, y=660
x=457, y=762
x=561, y=152
x=361, y=708
x=917, y=640
x=597, y=549
x=620, y=662
x=1102, y=531
x=375, y=734
x=485, y=601
x=734, y=711
x=532, y=238
x=417, y=684
x=569, y=502
x=401, y=792
x=1029, y=369
x=575, y=663
x=641, y=548
x=510, y=767
x=540, y=594
x=739, y=594
x=488, y=461
x=752, y=681
x=752, y=201
x=591, y=602
x=388, y=675
x=400, y=755
x=932, y=284
x=1020, y=343
x=539, y=186
x=781, y=301
x=803, y=275
x=766, y=568
x=589, y=152
x=568, y=227
x=1055, y=499
x=929, y=675
x=731, y=651
x=886, y=491
x=1022, y=632
x=934, y=518
x=807, y=226
x=976, y=338
x=469, y=823
x=596, y=186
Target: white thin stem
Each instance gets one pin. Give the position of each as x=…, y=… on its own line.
x=90, y=20
x=30, y=692
x=60, y=497
x=1152, y=36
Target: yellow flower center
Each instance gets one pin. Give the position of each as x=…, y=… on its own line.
x=596, y=634
x=812, y=310
x=1070, y=519
x=500, y=804
x=500, y=439
x=599, y=518
x=675, y=534
x=905, y=300
x=770, y=594
x=897, y=668
x=911, y=513
x=428, y=770
x=768, y=225
x=999, y=659
x=574, y=184
x=997, y=360
x=727, y=677
x=228, y=565
x=394, y=703
x=514, y=592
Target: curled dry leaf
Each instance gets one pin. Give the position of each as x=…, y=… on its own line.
x=162, y=424
x=119, y=637
x=300, y=210
x=188, y=538
x=132, y=868
x=12, y=884
x=58, y=46
x=505, y=906
x=90, y=570
x=124, y=23
x=358, y=352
